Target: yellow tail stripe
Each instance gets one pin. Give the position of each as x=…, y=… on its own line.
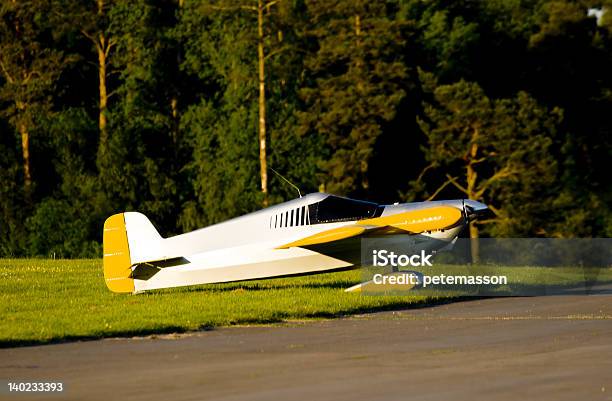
x=116, y=258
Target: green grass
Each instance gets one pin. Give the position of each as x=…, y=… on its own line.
x=45, y=301
x=522, y=281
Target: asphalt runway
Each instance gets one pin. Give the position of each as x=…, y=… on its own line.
x=544, y=348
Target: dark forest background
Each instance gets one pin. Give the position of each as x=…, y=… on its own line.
x=162, y=106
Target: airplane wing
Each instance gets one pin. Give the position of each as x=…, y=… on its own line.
x=413, y=222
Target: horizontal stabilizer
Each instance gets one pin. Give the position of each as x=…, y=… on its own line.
x=146, y=270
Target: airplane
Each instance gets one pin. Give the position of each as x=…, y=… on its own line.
x=316, y=233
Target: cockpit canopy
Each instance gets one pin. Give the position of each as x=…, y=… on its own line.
x=325, y=209
x=335, y=208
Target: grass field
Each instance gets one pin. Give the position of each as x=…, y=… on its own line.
x=45, y=301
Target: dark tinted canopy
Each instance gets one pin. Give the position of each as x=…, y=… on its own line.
x=334, y=208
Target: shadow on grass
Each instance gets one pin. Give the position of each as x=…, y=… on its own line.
x=258, y=287
x=277, y=318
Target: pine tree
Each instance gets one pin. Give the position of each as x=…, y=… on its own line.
x=495, y=151
x=354, y=85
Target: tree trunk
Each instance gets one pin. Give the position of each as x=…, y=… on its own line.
x=474, y=243
x=23, y=132
x=103, y=100
x=262, y=104
x=102, y=48
x=471, y=192
x=25, y=149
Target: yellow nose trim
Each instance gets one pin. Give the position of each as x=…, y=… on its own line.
x=418, y=221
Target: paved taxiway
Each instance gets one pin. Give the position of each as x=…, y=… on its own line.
x=544, y=348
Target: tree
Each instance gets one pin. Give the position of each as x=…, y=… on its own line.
x=144, y=158
x=263, y=11
x=30, y=69
x=491, y=150
x=94, y=24
x=449, y=42
x=353, y=86
x=12, y=231
x=223, y=124
x=176, y=107
x=221, y=120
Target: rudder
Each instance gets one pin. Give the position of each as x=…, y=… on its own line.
x=116, y=255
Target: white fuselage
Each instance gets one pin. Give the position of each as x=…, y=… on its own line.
x=247, y=247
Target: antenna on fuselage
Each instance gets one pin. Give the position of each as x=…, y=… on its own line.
x=288, y=182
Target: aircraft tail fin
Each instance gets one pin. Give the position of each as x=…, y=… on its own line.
x=127, y=238
x=116, y=255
